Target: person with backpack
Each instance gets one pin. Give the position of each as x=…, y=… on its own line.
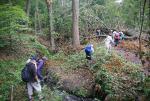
x=29, y=75
x=122, y=36
x=89, y=50
x=116, y=38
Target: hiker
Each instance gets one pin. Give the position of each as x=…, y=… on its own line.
x=40, y=65
x=116, y=38
x=89, y=50
x=98, y=32
x=33, y=83
x=113, y=33
x=122, y=36
x=108, y=42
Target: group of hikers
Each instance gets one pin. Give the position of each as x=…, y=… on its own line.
x=32, y=72
x=112, y=39
x=32, y=75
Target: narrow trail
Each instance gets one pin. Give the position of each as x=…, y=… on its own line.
x=129, y=56
x=132, y=56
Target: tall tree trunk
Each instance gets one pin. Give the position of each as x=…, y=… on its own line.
x=39, y=22
x=27, y=9
x=35, y=17
x=38, y=28
x=141, y=28
x=28, y=2
x=49, y=7
x=75, y=26
x=62, y=3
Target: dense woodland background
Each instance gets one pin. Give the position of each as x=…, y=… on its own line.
x=60, y=29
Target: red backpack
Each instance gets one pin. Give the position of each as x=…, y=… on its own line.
x=117, y=36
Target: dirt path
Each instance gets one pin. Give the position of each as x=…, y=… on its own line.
x=128, y=49
x=129, y=56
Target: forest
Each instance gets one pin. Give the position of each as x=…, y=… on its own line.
x=57, y=32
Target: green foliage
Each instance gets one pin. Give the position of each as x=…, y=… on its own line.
x=12, y=19
x=50, y=95
x=81, y=92
x=75, y=60
x=123, y=80
x=10, y=75
x=13, y=2
x=146, y=86
x=130, y=12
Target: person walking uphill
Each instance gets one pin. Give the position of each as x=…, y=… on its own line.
x=108, y=42
x=116, y=38
x=89, y=50
x=33, y=83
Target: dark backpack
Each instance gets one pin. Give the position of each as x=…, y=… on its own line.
x=25, y=74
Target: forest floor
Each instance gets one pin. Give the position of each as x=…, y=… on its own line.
x=83, y=75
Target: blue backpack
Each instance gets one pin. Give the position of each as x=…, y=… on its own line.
x=88, y=50
x=25, y=74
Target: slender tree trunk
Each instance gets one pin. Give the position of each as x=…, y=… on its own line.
x=39, y=22
x=28, y=2
x=141, y=28
x=49, y=7
x=149, y=12
x=62, y=3
x=38, y=28
x=27, y=9
x=35, y=17
x=75, y=26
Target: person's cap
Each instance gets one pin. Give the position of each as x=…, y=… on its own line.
x=44, y=58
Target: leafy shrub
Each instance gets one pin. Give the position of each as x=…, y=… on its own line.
x=12, y=18
x=115, y=75
x=10, y=75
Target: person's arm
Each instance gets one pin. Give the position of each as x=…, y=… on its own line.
x=39, y=69
x=40, y=64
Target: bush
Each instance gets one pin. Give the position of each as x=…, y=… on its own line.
x=12, y=19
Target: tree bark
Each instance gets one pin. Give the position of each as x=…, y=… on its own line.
x=27, y=8
x=38, y=28
x=62, y=3
x=49, y=7
x=39, y=22
x=141, y=28
x=35, y=18
x=28, y=2
x=75, y=26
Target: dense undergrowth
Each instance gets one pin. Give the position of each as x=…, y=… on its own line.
x=116, y=75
